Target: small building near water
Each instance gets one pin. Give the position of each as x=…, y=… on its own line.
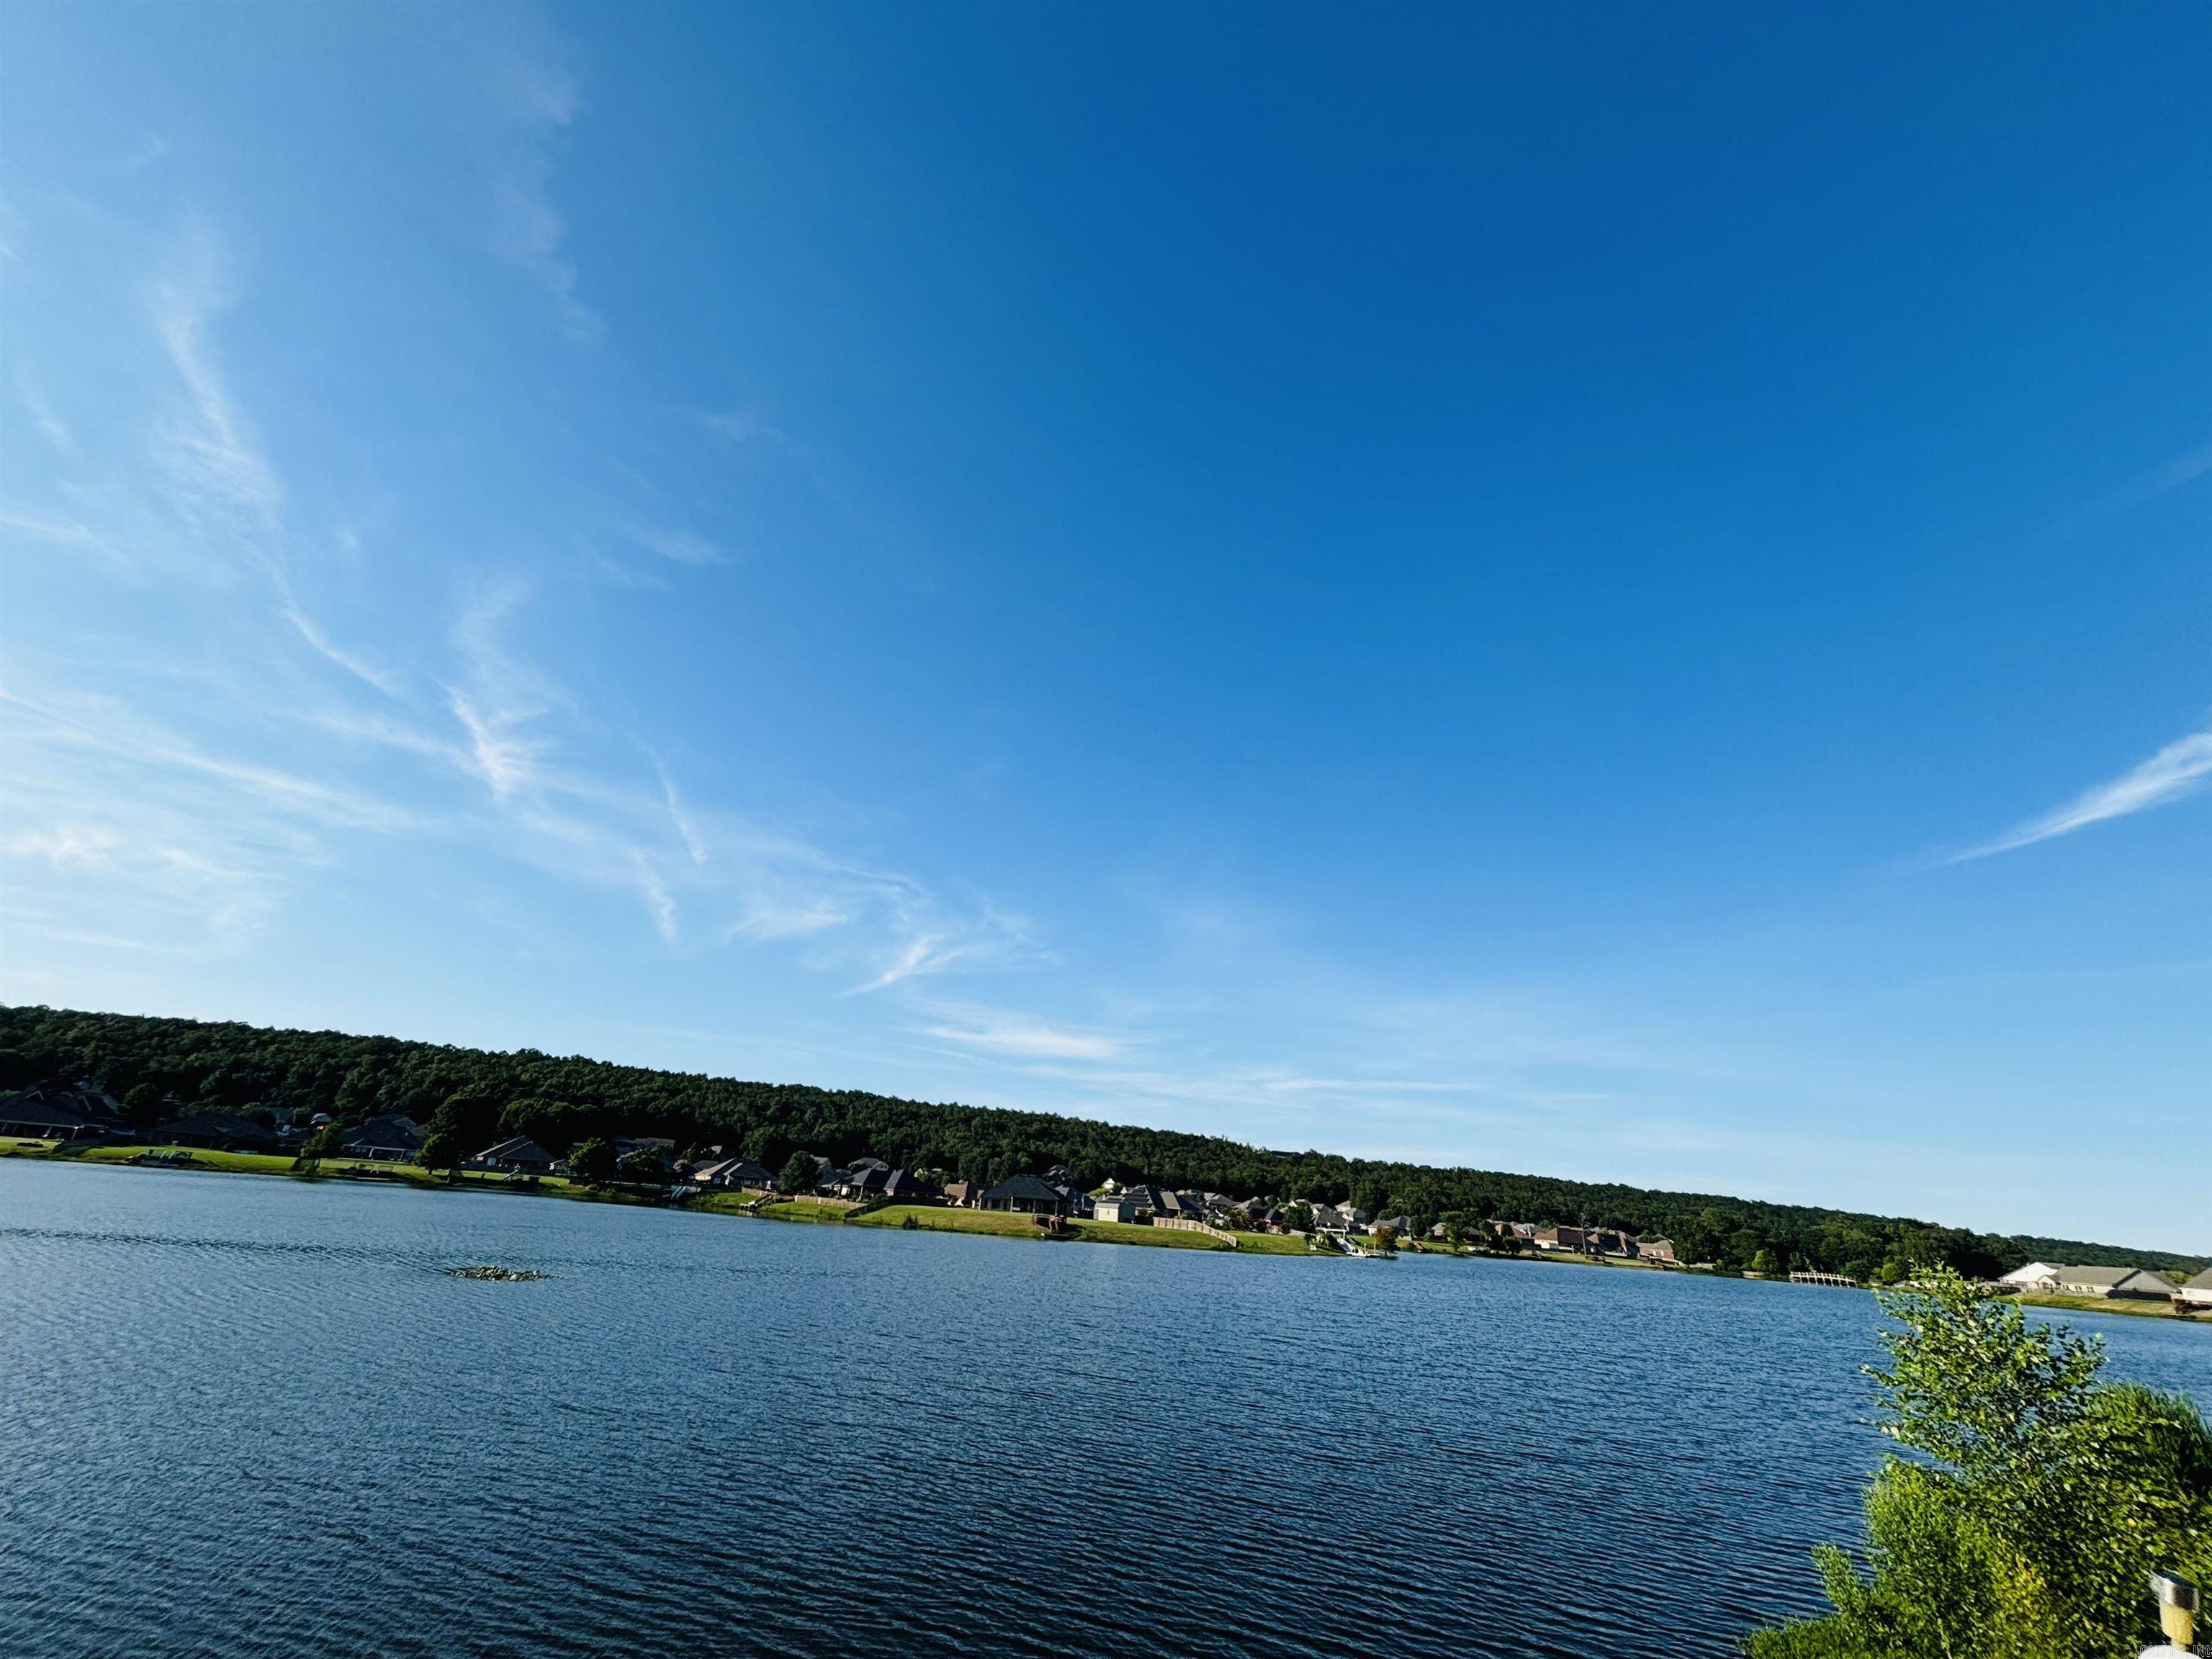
x=2113, y=1281
x=391, y=1139
x=217, y=1132
x=521, y=1155
x=46, y=1113
x=1026, y=1192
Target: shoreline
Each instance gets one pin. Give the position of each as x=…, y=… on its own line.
x=1017, y=1225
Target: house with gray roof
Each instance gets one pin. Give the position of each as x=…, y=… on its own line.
x=2113, y=1281
x=218, y=1131
x=1027, y=1192
x=389, y=1139
x=521, y=1155
x=47, y=1112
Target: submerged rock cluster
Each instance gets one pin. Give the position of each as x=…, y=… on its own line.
x=497, y=1273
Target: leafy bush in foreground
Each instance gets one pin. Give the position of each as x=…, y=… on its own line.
x=2036, y=1504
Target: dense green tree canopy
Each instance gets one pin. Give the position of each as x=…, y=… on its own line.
x=479, y=1096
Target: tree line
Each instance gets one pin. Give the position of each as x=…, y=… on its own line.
x=161, y=1067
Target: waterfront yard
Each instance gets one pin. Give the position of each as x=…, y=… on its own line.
x=2142, y=1307
x=934, y=1219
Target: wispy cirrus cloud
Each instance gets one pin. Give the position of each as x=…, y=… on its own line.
x=997, y=1031
x=2176, y=474
x=679, y=546
x=534, y=93
x=2180, y=769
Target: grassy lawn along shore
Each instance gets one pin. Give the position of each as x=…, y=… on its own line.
x=1129, y=1233
x=932, y=1218
x=805, y=1209
x=2142, y=1308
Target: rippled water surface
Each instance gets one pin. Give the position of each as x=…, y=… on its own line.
x=250, y=1417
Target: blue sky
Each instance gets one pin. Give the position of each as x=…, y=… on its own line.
x=1621, y=594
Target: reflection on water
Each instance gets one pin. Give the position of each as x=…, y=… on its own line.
x=254, y=1418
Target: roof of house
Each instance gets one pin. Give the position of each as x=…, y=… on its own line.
x=1023, y=1186
x=391, y=1130
x=2106, y=1276
x=218, y=1123
x=520, y=1150
x=2202, y=1282
x=63, y=1107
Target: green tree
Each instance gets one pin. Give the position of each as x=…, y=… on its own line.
x=324, y=1143
x=440, y=1151
x=592, y=1162
x=798, y=1174
x=644, y=1163
x=2038, y=1502
x=1762, y=1261
x=1386, y=1240
x=142, y=1106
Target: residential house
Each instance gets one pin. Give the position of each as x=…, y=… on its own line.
x=1656, y=1250
x=2035, y=1276
x=729, y=1174
x=389, y=1139
x=1149, y=1200
x=521, y=1155
x=962, y=1194
x=1114, y=1206
x=908, y=1187
x=1606, y=1241
x=2113, y=1281
x=2196, y=1292
x=1561, y=1238
x=865, y=1181
x=1026, y=1192
x=48, y=1112
x=221, y=1132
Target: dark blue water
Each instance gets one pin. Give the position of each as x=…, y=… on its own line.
x=244, y=1416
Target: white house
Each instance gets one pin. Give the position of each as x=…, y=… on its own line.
x=1114, y=1206
x=2196, y=1292
x=2035, y=1276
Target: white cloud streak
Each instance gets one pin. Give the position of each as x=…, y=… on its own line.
x=2182, y=471
x=996, y=1032
x=2178, y=769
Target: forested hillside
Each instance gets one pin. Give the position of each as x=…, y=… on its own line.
x=480, y=1095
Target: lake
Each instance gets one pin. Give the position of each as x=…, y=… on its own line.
x=251, y=1417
